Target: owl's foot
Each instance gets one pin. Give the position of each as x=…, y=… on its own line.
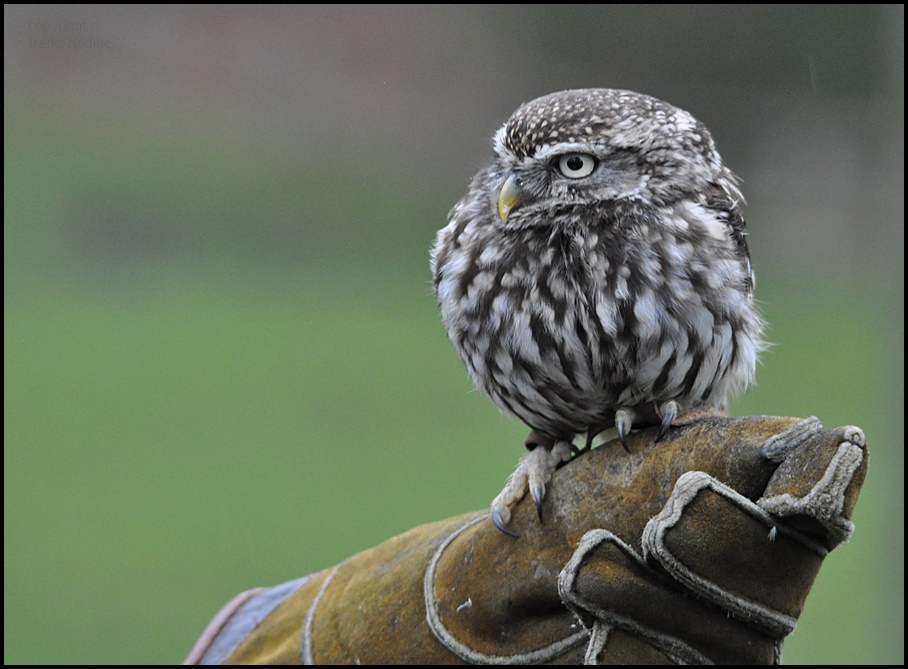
x=532, y=474
x=665, y=413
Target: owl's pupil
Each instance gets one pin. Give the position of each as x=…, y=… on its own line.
x=574, y=163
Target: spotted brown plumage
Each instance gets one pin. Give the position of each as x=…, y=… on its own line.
x=596, y=274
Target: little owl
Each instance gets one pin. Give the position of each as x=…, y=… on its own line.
x=596, y=275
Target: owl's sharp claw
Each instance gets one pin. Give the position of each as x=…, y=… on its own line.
x=624, y=421
x=532, y=474
x=538, y=492
x=500, y=524
x=668, y=411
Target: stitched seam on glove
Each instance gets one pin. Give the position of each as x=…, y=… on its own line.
x=780, y=445
x=306, y=652
x=671, y=646
x=449, y=641
x=826, y=498
x=686, y=489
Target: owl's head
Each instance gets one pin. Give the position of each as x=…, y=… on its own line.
x=599, y=145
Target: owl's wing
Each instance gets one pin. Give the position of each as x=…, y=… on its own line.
x=728, y=211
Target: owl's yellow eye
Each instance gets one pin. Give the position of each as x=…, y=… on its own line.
x=576, y=165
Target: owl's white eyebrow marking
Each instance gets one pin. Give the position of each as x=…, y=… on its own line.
x=549, y=150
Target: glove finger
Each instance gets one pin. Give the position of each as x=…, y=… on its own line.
x=636, y=612
x=725, y=548
x=816, y=485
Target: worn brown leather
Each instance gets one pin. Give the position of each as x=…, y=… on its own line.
x=699, y=548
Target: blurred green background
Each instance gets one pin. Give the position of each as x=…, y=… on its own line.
x=223, y=367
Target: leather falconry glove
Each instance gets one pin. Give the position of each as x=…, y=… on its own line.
x=700, y=548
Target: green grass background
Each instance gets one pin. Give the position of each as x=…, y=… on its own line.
x=185, y=433
x=223, y=368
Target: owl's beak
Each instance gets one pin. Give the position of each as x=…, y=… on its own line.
x=509, y=197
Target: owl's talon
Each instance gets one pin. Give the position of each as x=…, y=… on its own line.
x=538, y=493
x=502, y=524
x=532, y=474
x=669, y=411
x=624, y=421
